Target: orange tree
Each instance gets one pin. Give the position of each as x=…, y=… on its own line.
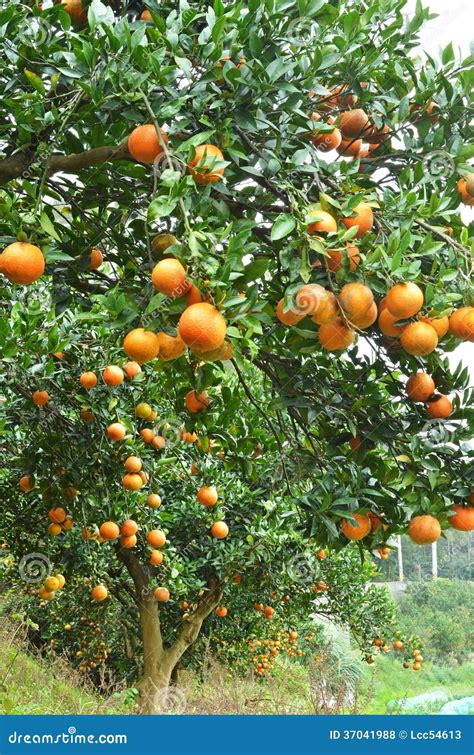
x=277, y=193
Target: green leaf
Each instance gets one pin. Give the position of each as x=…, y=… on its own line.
x=283, y=226
x=48, y=227
x=35, y=80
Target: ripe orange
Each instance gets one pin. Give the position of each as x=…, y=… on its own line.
x=465, y=196
x=40, y=398
x=96, y=259
x=377, y=136
x=328, y=310
x=22, y=263
x=355, y=299
x=219, y=530
x=291, y=316
x=156, y=538
x=440, y=324
x=203, y=165
x=321, y=554
x=109, y=531
x=336, y=335
x=146, y=16
x=45, y=595
x=68, y=523
x=356, y=531
x=132, y=482
x=354, y=123
x=461, y=323
x=133, y=464
x=71, y=492
x=60, y=580
x=323, y=222
x=440, y=407
x=51, y=584
x=268, y=611
x=99, y=593
x=76, y=11
x=116, y=431
x=420, y=386
x=398, y=645
x=215, y=355
x=221, y=611
x=113, y=375
x=158, y=443
x=362, y=217
x=156, y=558
x=26, y=483
x=388, y=324
x=131, y=369
x=325, y=142
x=196, y=402
x=143, y=410
x=147, y=435
x=154, y=501
x=355, y=443
x=144, y=144
x=424, y=529
x=470, y=184
x=128, y=541
x=462, y=517
x=335, y=259
x=350, y=148
x=202, y=326
x=207, y=495
x=169, y=277
x=162, y=594
x=141, y=345
x=171, y=347
x=193, y=295
x=57, y=515
x=54, y=529
x=88, y=380
x=365, y=319
x=419, y=339
x=404, y=300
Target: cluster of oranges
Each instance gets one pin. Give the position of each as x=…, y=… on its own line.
x=60, y=521
x=399, y=646
x=91, y=651
x=50, y=587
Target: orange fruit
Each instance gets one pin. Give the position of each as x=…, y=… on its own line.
x=141, y=345
x=470, y=184
x=440, y=407
x=404, y=300
x=76, y=11
x=54, y=529
x=355, y=443
x=335, y=259
x=290, y=317
x=156, y=538
x=362, y=217
x=221, y=611
x=440, y=324
x=156, y=557
x=355, y=299
x=162, y=594
x=461, y=323
x=268, y=611
x=377, y=136
x=22, y=263
x=60, y=580
x=133, y=464
x=365, y=319
x=309, y=298
x=116, y=431
x=323, y=222
x=129, y=527
x=147, y=435
x=146, y=16
x=40, y=398
x=169, y=277
x=219, y=530
x=96, y=259
x=328, y=310
x=462, y=517
x=68, y=523
x=131, y=369
x=193, y=295
x=26, y=483
x=354, y=123
x=420, y=386
x=143, y=411
x=424, y=529
x=207, y=495
x=465, y=196
x=388, y=324
x=350, y=148
x=99, y=593
x=113, y=375
x=45, y=595
x=144, y=144
x=109, y=531
x=57, y=515
x=419, y=339
x=144, y=476
x=203, y=165
x=171, y=347
x=158, y=443
x=88, y=380
x=128, y=541
x=132, y=482
x=336, y=335
x=356, y=531
x=215, y=355
x=326, y=141
x=196, y=402
x=398, y=645
x=202, y=326
x=154, y=501
x=71, y=492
